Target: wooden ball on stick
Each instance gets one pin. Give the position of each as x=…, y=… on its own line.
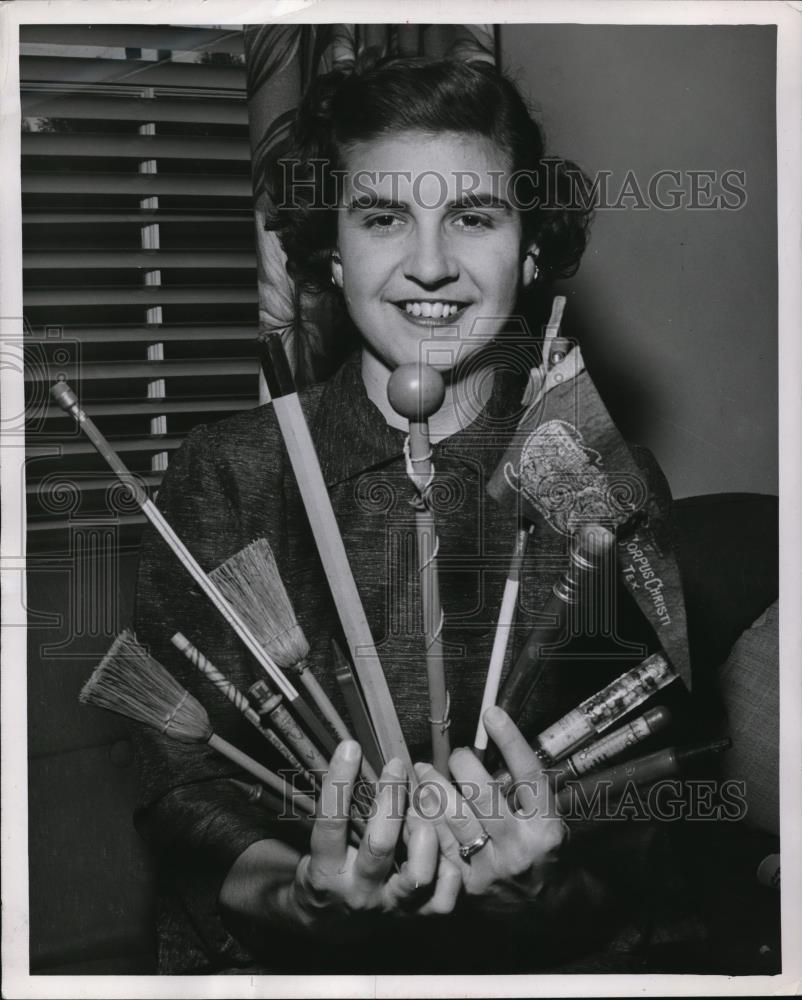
x=416, y=391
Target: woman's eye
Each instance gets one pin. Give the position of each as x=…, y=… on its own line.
x=383, y=221
x=470, y=220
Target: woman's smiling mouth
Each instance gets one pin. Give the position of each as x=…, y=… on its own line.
x=431, y=312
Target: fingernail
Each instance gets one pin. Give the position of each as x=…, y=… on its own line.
x=428, y=803
x=495, y=715
x=349, y=750
x=395, y=768
x=423, y=769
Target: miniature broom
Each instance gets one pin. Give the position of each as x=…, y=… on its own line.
x=251, y=583
x=130, y=682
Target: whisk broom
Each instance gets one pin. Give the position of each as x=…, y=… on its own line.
x=130, y=682
x=251, y=583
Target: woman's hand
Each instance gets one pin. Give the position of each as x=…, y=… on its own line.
x=507, y=856
x=336, y=882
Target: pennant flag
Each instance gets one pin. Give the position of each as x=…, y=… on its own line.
x=568, y=465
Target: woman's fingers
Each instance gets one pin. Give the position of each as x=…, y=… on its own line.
x=440, y=800
x=329, y=840
x=446, y=890
x=420, y=868
x=377, y=849
x=423, y=851
x=478, y=789
x=530, y=782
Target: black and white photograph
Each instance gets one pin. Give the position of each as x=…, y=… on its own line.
x=400, y=445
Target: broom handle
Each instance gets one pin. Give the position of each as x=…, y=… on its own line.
x=258, y=771
x=259, y=794
x=67, y=400
x=270, y=704
x=501, y=640
x=323, y=702
x=320, y=513
x=237, y=699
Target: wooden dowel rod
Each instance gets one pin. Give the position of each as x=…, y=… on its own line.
x=328, y=539
x=260, y=772
x=323, y=702
x=501, y=639
x=431, y=607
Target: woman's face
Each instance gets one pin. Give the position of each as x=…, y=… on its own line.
x=432, y=252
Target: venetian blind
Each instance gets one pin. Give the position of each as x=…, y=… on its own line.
x=138, y=251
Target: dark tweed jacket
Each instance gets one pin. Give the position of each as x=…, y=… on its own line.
x=230, y=483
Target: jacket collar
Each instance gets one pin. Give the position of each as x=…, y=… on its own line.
x=351, y=434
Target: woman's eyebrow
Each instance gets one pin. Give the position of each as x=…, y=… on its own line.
x=364, y=202
x=472, y=199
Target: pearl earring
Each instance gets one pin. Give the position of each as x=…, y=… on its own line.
x=336, y=262
x=533, y=254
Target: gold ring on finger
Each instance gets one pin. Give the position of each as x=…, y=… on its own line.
x=467, y=851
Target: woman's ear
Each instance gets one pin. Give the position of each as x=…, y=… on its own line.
x=529, y=268
x=336, y=269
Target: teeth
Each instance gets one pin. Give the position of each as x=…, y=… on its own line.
x=432, y=310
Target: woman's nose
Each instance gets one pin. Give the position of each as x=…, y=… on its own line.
x=429, y=261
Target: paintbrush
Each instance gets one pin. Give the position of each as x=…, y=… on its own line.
x=502, y=636
x=130, y=682
x=238, y=700
x=251, y=583
x=268, y=706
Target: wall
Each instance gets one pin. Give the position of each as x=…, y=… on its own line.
x=676, y=310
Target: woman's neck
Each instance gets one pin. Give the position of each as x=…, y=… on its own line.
x=465, y=398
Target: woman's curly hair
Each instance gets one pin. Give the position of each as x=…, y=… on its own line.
x=400, y=95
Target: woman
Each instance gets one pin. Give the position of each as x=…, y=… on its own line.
x=417, y=195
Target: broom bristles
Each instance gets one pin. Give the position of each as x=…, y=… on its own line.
x=130, y=682
x=251, y=583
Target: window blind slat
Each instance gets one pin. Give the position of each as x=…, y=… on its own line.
x=218, y=111
x=211, y=367
x=137, y=72
x=202, y=185
x=150, y=259
x=121, y=445
x=139, y=36
x=62, y=525
x=159, y=406
x=148, y=296
x=141, y=334
x=88, y=484
x=98, y=218
x=140, y=147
